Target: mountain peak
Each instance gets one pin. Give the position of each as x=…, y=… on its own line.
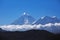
x=24, y=19
x=25, y=13
x=54, y=17
x=45, y=17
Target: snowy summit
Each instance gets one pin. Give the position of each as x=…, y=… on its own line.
x=24, y=19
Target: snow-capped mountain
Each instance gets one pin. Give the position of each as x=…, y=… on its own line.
x=47, y=19
x=27, y=22
x=24, y=19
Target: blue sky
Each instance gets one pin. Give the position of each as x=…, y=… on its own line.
x=11, y=10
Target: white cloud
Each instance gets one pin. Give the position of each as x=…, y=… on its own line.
x=49, y=25
x=57, y=24
x=26, y=27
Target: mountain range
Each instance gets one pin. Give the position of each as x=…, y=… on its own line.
x=45, y=28
x=47, y=19
x=27, y=22
x=28, y=19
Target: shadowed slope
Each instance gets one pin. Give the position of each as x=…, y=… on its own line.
x=27, y=35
